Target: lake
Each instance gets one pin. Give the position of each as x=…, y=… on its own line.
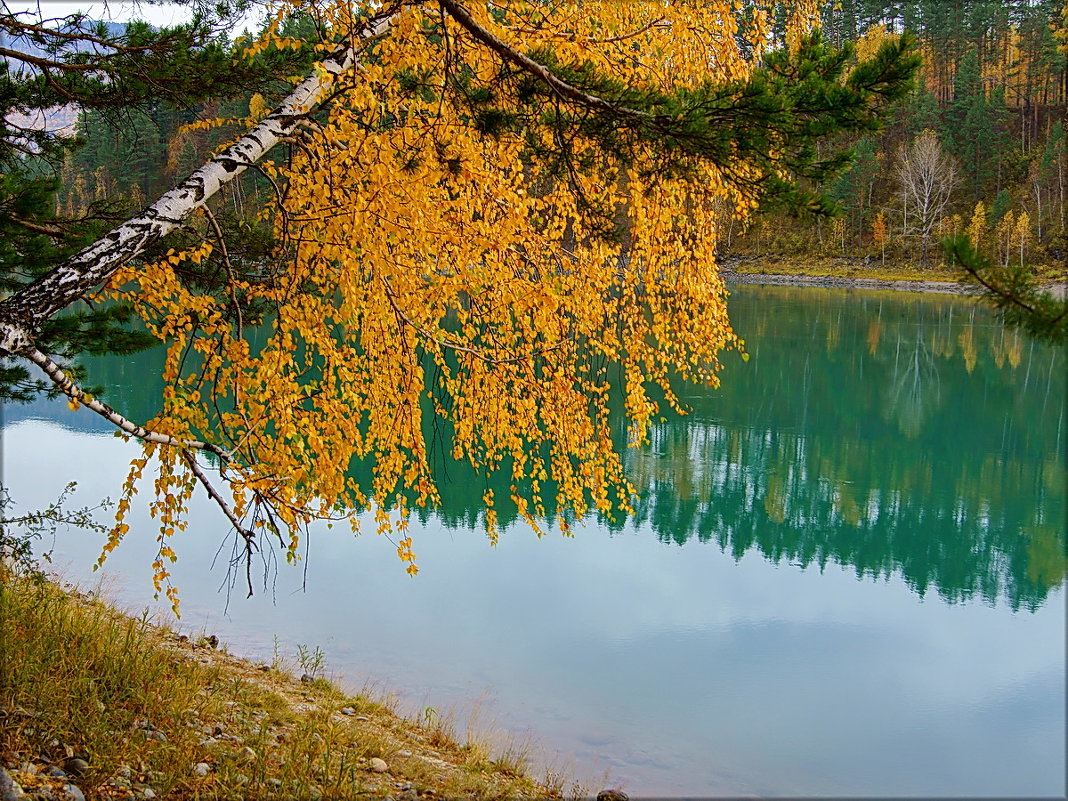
x=845, y=574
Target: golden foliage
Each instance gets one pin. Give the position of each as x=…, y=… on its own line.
x=878, y=230
x=977, y=227
x=435, y=281
x=871, y=40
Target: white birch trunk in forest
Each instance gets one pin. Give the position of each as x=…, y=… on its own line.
x=927, y=178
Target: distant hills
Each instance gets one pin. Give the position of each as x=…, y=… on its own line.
x=59, y=119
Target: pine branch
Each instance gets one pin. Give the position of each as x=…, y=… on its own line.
x=22, y=314
x=1014, y=292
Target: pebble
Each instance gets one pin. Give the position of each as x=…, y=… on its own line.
x=71, y=792
x=379, y=765
x=306, y=678
x=148, y=794
x=612, y=795
x=315, y=793
x=124, y=771
x=348, y=711
x=201, y=769
x=246, y=754
x=9, y=788
x=274, y=782
x=75, y=766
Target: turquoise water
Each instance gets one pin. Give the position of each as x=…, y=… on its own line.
x=845, y=575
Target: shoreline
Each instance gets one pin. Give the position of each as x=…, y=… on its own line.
x=845, y=282
x=158, y=714
x=945, y=287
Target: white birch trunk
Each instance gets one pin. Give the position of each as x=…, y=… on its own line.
x=23, y=312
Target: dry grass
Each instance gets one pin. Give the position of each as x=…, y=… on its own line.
x=842, y=267
x=144, y=705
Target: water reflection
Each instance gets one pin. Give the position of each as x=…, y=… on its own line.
x=891, y=434
x=881, y=433
x=688, y=649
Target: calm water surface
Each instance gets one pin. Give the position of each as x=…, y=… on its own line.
x=845, y=576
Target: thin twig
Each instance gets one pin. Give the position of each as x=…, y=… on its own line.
x=231, y=284
x=67, y=386
x=246, y=534
x=391, y=297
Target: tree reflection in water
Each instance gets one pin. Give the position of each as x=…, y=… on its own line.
x=898, y=435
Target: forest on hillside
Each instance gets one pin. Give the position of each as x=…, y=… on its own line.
x=978, y=148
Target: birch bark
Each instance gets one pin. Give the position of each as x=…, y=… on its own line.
x=23, y=312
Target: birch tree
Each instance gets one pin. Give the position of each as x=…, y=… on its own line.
x=489, y=219
x=926, y=177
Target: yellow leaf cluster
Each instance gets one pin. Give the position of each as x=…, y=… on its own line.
x=439, y=282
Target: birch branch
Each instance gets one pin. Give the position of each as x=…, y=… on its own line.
x=23, y=312
x=67, y=386
x=246, y=533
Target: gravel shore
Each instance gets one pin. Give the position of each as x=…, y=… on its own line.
x=843, y=282
x=840, y=282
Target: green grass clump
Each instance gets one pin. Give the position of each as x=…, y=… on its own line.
x=144, y=705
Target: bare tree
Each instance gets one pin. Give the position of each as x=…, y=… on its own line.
x=926, y=177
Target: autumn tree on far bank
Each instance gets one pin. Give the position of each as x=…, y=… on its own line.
x=926, y=178
x=993, y=85
x=489, y=220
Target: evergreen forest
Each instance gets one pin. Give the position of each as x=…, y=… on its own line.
x=978, y=148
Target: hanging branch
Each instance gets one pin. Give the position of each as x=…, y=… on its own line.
x=66, y=385
x=22, y=314
x=247, y=535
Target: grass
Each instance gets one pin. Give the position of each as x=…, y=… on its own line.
x=143, y=705
x=844, y=267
